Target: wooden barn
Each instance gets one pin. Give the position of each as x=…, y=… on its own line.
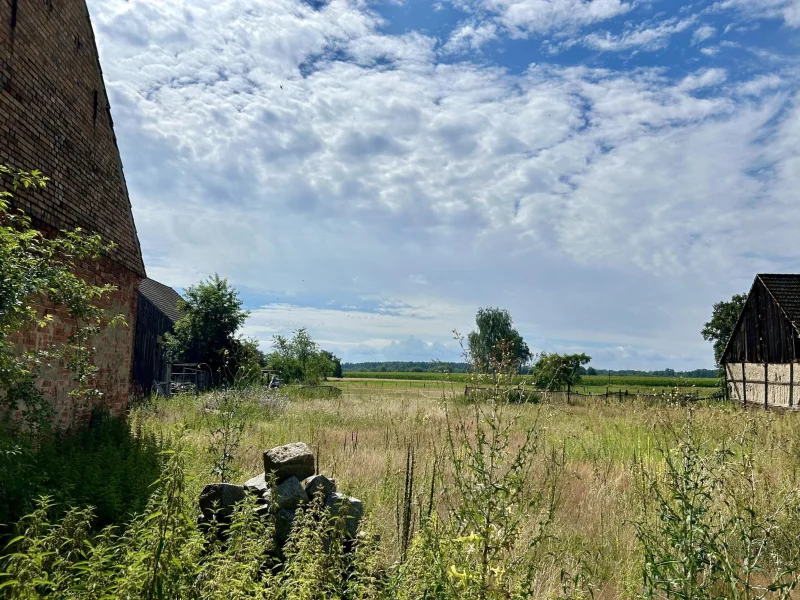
x=761, y=354
x=157, y=313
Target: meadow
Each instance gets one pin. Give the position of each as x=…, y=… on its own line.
x=589, y=499
x=589, y=384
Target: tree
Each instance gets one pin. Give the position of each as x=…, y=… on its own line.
x=494, y=336
x=557, y=371
x=299, y=359
x=206, y=333
x=591, y=371
x=335, y=361
x=34, y=268
x=723, y=321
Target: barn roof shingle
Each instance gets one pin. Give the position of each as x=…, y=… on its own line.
x=164, y=297
x=785, y=289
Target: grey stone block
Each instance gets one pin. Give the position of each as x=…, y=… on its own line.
x=318, y=484
x=220, y=497
x=291, y=460
x=352, y=513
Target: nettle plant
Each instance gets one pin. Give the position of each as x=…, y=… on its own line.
x=35, y=268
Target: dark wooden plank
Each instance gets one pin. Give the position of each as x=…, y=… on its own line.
x=744, y=386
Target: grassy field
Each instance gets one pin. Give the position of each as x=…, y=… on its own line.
x=363, y=439
x=589, y=385
x=632, y=382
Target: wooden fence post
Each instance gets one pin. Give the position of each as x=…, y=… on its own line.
x=766, y=385
x=791, y=383
x=744, y=386
x=725, y=394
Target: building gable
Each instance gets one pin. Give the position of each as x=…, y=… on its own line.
x=55, y=117
x=766, y=331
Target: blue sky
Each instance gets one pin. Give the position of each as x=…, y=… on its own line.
x=377, y=170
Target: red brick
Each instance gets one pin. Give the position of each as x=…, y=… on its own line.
x=47, y=90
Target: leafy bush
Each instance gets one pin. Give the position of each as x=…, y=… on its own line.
x=313, y=392
x=35, y=268
x=104, y=465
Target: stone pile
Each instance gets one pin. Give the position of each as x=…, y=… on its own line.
x=291, y=468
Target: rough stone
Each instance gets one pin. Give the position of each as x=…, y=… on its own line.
x=317, y=484
x=291, y=460
x=283, y=525
x=290, y=493
x=220, y=497
x=257, y=486
x=353, y=514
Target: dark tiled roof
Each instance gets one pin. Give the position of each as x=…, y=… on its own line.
x=164, y=297
x=785, y=288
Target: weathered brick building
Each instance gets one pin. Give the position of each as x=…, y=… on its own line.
x=55, y=117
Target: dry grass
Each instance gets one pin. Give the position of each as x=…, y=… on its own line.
x=362, y=440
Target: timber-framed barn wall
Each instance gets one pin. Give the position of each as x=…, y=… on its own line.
x=761, y=358
x=55, y=117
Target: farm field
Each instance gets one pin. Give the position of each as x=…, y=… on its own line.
x=364, y=438
x=595, y=385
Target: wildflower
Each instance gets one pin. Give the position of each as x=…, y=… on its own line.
x=454, y=574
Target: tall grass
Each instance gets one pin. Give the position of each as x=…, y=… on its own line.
x=504, y=501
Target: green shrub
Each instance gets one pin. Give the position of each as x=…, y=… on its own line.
x=314, y=392
x=105, y=465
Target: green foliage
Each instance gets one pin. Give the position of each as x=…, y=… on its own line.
x=558, y=371
x=406, y=367
x=495, y=335
x=723, y=321
x=206, y=333
x=334, y=360
x=704, y=529
x=35, y=268
x=299, y=359
x=104, y=465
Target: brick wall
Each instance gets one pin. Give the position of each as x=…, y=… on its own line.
x=55, y=117
x=114, y=345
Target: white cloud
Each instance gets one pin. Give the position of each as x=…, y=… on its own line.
x=703, y=79
x=788, y=10
x=416, y=332
x=638, y=38
x=527, y=17
x=755, y=87
x=703, y=33
x=470, y=37
x=305, y=153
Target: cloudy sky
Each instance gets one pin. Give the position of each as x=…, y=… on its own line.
x=376, y=170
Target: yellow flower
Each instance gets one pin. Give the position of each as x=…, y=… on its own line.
x=453, y=572
x=497, y=571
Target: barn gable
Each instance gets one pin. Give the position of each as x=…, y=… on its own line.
x=55, y=117
x=156, y=315
x=767, y=330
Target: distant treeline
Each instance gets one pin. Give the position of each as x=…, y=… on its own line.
x=405, y=367
x=460, y=367
x=697, y=373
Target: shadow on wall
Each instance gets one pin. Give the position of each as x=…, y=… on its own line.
x=106, y=466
